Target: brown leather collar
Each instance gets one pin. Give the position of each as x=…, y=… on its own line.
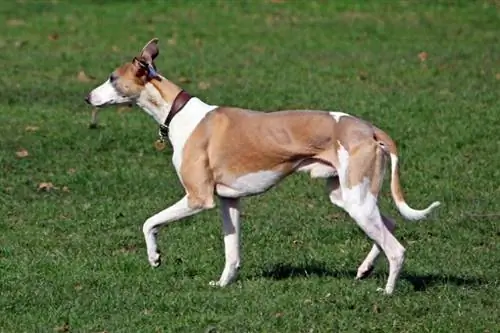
x=179, y=102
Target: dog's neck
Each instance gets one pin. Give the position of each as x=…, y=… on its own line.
x=157, y=99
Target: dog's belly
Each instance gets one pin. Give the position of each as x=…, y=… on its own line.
x=249, y=184
x=316, y=168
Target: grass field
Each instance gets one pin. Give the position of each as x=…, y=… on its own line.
x=72, y=254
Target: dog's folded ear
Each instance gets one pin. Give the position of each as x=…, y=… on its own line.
x=150, y=51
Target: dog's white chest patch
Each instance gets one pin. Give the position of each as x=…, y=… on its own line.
x=249, y=184
x=338, y=115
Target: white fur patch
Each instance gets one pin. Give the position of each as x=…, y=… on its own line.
x=106, y=94
x=318, y=170
x=338, y=115
x=252, y=183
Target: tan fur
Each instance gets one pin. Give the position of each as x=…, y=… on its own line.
x=232, y=142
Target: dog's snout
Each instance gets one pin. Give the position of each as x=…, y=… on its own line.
x=87, y=99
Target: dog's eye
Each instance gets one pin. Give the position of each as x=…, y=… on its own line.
x=112, y=78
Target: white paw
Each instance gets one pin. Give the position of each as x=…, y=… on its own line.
x=384, y=291
x=154, y=259
x=364, y=272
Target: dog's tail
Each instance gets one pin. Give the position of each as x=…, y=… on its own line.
x=396, y=191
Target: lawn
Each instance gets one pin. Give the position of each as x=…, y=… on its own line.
x=73, y=199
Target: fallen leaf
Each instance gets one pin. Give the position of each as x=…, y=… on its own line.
x=63, y=328
x=147, y=311
x=362, y=75
x=53, y=36
x=160, y=145
x=203, y=85
x=423, y=56
x=279, y=314
x=65, y=189
x=20, y=43
x=46, y=186
x=126, y=249
x=115, y=48
x=78, y=286
x=172, y=41
x=22, y=153
x=497, y=76
x=71, y=171
x=83, y=77
x=183, y=79
x=123, y=109
x=15, y=22
x=30, y=128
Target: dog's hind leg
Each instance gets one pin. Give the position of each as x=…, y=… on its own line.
x=179, y=210
x=335, y=195
x=368, y=264
x=230, y=211
x=334, y=191
x=361, y=176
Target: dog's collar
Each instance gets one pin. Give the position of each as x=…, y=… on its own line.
x=177, y=105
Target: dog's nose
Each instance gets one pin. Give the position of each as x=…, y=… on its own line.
x=87, y=99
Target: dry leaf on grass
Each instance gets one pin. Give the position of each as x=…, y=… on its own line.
x=183, y=79
x=15, y=22
x=65, y=189
x=83, y=77
x=115, y=48
x=423, y=56
x=46, y=186
x=172, y=41
x=203, y=85
x=22, y=153
x=497, y=76
x=71, y=171
x=20, y=43
x=30, y=128
x=362, y=75
x=127, y=249
x=63, y=328
x=53, y=36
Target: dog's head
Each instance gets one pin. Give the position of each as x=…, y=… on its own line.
x=126, y=82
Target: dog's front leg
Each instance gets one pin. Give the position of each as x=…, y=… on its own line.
x=150, y=228
x=230, y=211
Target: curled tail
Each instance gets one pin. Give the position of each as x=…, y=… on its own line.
x=396, y=191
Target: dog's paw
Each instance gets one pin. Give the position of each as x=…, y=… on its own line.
x=364, y=273
x=154, y=259
x=384, y=291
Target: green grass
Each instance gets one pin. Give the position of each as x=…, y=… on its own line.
x=75, y=260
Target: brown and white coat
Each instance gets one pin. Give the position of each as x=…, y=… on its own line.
x=231, y=153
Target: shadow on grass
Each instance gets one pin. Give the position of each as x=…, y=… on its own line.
x=422, y=282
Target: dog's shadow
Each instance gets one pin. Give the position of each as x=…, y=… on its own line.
x=420, y=282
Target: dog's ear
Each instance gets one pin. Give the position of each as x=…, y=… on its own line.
x=150, y=51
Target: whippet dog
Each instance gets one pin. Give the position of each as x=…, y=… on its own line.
x=231, y=153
